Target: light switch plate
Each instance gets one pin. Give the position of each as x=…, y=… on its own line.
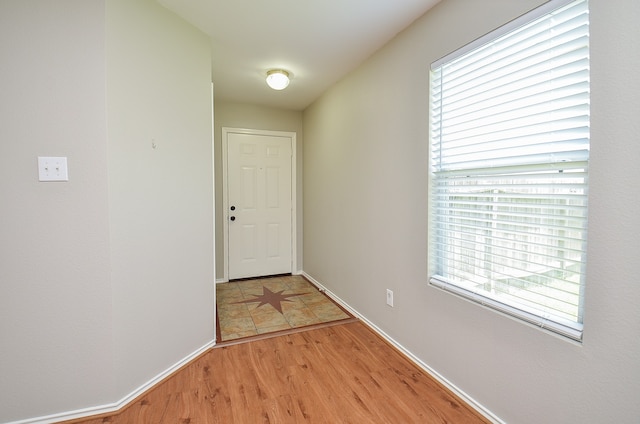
x=52, y=169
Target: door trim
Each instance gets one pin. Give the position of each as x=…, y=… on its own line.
x=225, y=195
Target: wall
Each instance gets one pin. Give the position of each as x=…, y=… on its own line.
x=240, y=115
x=106, y=281
x=55, y=293
x=366, y=208
x=160, y=198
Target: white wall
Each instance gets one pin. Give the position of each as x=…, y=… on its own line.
x=241, y=115
x=366, y=208
x=55, y=293
x=160, y=199
x=106, y=281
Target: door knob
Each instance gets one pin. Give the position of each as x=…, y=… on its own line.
x=233, y=208
x=233, y=218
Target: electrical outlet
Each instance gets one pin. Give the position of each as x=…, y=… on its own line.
x=52, y=169
x=389, y=298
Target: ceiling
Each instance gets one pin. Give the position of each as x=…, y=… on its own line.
x=317, y=41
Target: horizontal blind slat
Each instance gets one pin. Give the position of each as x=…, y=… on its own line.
x=465, y=234
x=521, y=100
x=510, y=150
x=499, y=273
x=472, y=80
x=535, y=170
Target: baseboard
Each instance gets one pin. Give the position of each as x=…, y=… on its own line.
x=117, y=406
x=460, y=393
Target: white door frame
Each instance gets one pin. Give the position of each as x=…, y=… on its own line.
x=225, y=195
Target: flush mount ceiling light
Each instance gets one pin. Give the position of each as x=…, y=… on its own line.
x=278, y=79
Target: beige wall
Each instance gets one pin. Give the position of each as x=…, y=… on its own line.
x=366, y=208
x=105, y=280
x=239, y=115
x=55, y=293
x=160, y=199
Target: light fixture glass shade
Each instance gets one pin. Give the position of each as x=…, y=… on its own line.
x=278, y=79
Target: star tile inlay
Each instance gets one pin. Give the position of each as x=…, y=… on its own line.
x=274, y=299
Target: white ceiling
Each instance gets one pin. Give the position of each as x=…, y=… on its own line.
x=318, y=41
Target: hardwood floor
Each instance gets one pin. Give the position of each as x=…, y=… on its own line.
x=339, y=374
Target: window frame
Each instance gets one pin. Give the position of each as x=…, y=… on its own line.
x=569, y=329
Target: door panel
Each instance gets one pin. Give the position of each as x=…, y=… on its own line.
x=259, y=189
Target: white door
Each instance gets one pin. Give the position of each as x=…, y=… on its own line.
x=259, y=204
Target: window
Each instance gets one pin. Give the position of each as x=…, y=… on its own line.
x=509, y=168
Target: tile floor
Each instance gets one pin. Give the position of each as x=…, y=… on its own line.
x=258, y=306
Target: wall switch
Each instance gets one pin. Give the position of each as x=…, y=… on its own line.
x=52, y=169
x=389, y=298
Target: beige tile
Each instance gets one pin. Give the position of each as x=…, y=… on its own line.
x=223, y=288
x=225, y=306
x=234, y=336
x=237, y=325
x=255, y=286
x=329, y=312
x=281, y=327
x=292, y=303
x=267, y=316
x=297, y=285
x=298, y=278
x=315, y=299
x=300, y=317
x=244, y=286
x=226, y=312
x=226, y=298
x=276, y=286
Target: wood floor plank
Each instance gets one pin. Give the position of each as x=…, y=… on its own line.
x=339, y=374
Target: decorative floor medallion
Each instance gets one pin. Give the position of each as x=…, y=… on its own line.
x=254, y=307
x=271, y=298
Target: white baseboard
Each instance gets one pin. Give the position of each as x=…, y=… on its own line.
x=461, y=394
x=116, y=406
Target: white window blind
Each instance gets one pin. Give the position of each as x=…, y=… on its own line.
x=509, y=157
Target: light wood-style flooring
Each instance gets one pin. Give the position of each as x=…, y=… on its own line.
x=337, y=374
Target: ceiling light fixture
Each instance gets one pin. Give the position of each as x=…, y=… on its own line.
x=278, y=79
